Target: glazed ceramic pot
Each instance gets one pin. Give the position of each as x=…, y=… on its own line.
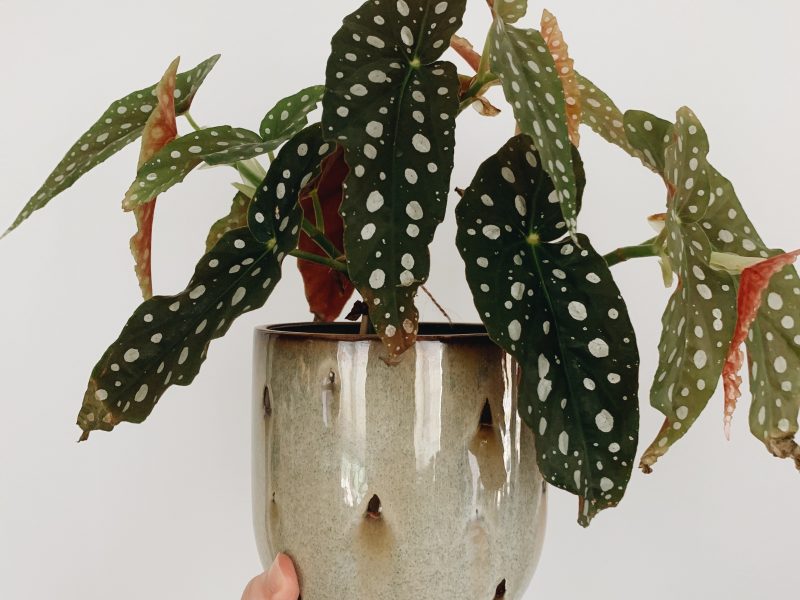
x=400, y=482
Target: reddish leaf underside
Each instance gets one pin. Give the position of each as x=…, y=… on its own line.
x=327, y=291
x=160, y=129
x=466, y=50
x=551, y=32
x=752, y=285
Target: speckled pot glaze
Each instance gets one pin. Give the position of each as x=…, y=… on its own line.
x=394, y=482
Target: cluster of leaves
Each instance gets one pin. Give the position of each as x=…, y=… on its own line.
x=357, y=199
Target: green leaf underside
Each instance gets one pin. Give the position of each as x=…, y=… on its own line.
x=392, y=106
x=296, y=165
x=214, y=146
x=555, y=307
x=290, y=116
x=121, y=124
x=530, y=80
x=606, y=119
x=236, y=218
x=166, y=339
x=706, y=216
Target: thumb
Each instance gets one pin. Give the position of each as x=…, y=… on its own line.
x=278, y=583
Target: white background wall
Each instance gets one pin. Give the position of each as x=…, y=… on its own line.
x=163, y=510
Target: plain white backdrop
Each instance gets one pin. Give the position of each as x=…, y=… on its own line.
x=162, y=510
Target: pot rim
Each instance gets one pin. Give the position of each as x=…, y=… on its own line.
x=348, y=331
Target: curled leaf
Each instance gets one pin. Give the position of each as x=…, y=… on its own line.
x=565, y=67
x=466, y=50
x=160, y=129
x=327, y=290
x=121, y=124
x=752, y=285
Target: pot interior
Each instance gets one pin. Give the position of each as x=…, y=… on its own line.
x=350, y=330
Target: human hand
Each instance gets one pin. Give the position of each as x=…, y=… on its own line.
x=278, y=583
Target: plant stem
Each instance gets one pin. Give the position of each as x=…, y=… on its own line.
x=320, y=240
x=191, y=121
x=246, y=172
x=320, y=260
x=643, y=250
x=475, y=89
x=319, y=218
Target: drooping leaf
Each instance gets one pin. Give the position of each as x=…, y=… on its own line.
x=327, y=290
x=235, y=219
x=392, y=105
x=565, y=67
x=171, y=165
x=166, y=340
x=753, y=284
x=554, y=307
x=161, y=128
x=289, y=116
x=699, y=321
x=604, y=118
x=530, y=80
x=120, y=125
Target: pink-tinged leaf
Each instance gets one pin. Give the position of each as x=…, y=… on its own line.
x=466, y=50
x=753, y=283
x=327, y=290
x=565, y=66
x=160, y=129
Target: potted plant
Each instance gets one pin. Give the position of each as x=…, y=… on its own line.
x=373, y=429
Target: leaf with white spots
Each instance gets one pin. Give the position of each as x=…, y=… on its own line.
x=565, y=67
x=510, y=11
x=392, y=105
x=779, y=429
x=161, y=128
x=289, y=116
x=221, y=145
x=296, y=165
x=530, y=79
x=236, y=218
x=699, y=321
x=554, y=306
x=166, y=340
x=604, y=118
x=120, y=125
x=650, y=136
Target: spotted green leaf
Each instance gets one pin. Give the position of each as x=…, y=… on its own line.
x=166, y=340
x=531, y=83
x=555, y=307
x=289, y=116
x=120, y=125
x=296, y=165
x=604, y=118
x=510, y=11
x=171, y=165
x=699, y=321
x=650, y=136
x=392, y=105
x=236, y=218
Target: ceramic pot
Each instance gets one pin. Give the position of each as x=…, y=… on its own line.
x=400, y=482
